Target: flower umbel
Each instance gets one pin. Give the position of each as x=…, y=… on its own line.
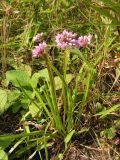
x=69, y=39
x=39, y=50
x=65, y=39
x=83, y=41
x=38, y=37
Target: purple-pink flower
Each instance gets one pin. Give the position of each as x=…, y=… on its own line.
x=38, y=51
x=38, y=37
x=65, y=39
x=83, y=41
x=69, y=39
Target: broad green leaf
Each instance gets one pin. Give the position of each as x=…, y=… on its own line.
x=27, y=98
x=34, y=110
x=58, y=81
x=18, y=77
x=3, y=155
x=16, y=106
x=18, y=65
x=13, y=96
x=7, y=99
x=5, y=143
x=3, y=100
x=26, y=68
x=41, y=74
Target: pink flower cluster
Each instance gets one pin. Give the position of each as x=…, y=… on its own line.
x=69, y=39
x=38, y=51
x=83, y=41
x=65, y=39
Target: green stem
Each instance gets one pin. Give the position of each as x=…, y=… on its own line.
x=65, y=61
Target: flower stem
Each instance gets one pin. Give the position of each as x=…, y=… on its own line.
x=65, y=61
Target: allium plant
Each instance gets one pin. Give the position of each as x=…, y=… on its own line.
x=65, y=40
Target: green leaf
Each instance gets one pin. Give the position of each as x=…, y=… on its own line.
x=20, y=66
x=68, y=137
x=58, y=81
x=16, y=106
x=41, y=74
x=7, y=99
x=13, y=96
x=60, y=156
x=5, y=143
x=34, y=133
x=99, y=107
x=83, y=130
x=109, y=133
x=3, y=155
x=18, y=77
x=108, y=111
x=26, y=68
x=27, y=98
x=34, y=110
x=3, y=101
